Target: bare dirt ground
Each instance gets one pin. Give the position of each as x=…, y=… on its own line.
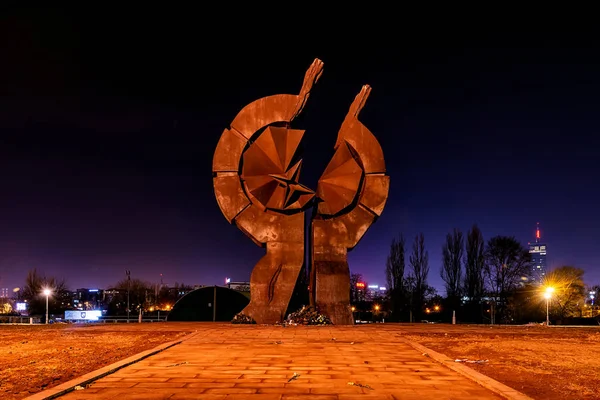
x=543, y=362
x=37, y=357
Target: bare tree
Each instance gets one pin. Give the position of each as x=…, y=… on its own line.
x=409, y=293
x=451, y=271
x=394, y=272
x=35, y=284
x=419, y=263
x=474, y=265
x=507, y=264
x=138, y=294
x=356, y=294
x=569, y=291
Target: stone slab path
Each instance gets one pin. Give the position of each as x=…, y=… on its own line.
x=224, y=361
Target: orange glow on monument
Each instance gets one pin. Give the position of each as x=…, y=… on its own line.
x=256, y=169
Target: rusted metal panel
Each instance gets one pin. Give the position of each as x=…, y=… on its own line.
x=340, y=184
x=271, y=171
x=267, y=192
x=267, y=201
x=273, y=280
x=333, y=290
x=228, y=152
x=230, y=196
x=360, y=137
x=376, y=192
x=268, y=227
x=263, y=112
x=346, y=210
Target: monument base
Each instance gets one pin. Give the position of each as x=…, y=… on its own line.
x=273, y=281
x=333, y=290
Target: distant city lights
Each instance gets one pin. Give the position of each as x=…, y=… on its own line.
x=89, y=315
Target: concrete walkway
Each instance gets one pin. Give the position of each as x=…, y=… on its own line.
x=224, y=361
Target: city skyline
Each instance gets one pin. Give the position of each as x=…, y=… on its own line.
x=108, y=138
x=367, y=277
x=539, y=254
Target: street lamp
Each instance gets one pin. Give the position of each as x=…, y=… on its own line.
x=548, y=296
x=592, y=296
x=128, y=273
x=47, y=292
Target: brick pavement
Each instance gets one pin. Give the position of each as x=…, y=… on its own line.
x=224, y=361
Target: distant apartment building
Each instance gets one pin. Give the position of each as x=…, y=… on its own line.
x=109, y=294
x=538, y=251
x=88, y=299
x=375, y=291
x=4, y=293
x=239, y=286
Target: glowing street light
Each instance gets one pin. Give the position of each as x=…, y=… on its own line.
x=377, y=307
x=47, y=292
x=548, y=296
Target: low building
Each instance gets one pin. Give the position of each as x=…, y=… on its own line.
x=210, y=303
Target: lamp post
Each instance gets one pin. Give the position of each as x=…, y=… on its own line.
x=128, y=273
x=592, y=296
x=47, y=293
x=548, y=296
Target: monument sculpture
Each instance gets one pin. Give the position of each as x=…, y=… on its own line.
x=256, y=176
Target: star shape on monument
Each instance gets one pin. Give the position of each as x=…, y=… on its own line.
x=271, y=171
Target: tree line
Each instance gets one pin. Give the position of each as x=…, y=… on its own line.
x=143, y=296
x=485, y=282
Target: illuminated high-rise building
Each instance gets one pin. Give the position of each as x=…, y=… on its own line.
x=538, y=257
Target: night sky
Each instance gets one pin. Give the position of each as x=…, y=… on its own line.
x=108, y=124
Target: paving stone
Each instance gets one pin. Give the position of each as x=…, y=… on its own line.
x=228, y=362
x=208, y=385
x=229, y=391
x=194, y=396
x=254, y=396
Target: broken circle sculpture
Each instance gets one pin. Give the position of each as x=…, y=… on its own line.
x=256, y=176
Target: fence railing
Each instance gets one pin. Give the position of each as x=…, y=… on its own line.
x=6, y=319
x=131, y=320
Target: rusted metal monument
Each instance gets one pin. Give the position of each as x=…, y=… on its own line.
x=256, y=169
